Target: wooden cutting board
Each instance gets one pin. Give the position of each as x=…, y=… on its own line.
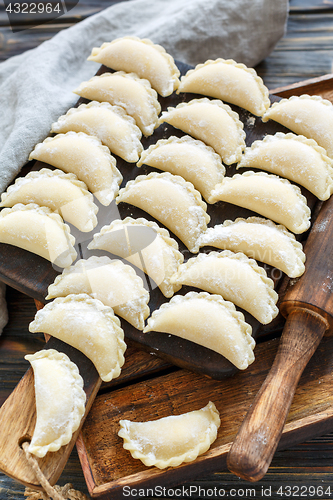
x=108, y=467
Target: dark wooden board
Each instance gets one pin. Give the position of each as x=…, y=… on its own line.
x=32, y=274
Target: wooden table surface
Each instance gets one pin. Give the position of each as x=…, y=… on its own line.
x=306, y=51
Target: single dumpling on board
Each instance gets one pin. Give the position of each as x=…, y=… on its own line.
x=268, y=195
x=145, y=245
x=60, y=400
x=62, y=193
x=212, y=122
x=38, y=230
x=128, y=91
x=207, y=320
x=111, y=124
x=172, y=201
x=89, y=326
x=84, y=156
x=294, y=157
x=110, y=281
x=229, y=81
x=173, y=440
x=189, y=158
x=236, y=278
x=141, y=56
x=259, y=239
x=307, y=115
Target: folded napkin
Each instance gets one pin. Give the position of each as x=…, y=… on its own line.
x=36, y=86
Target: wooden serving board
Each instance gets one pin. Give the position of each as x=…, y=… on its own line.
x=108, y=467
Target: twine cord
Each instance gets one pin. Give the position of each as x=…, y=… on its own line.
x=56, y=492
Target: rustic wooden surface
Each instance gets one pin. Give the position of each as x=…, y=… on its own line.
x=305, y=52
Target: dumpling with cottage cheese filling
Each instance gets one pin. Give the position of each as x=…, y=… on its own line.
x=172, y=201
x=84, y=156
x=38, y=230
x=189, y=158
x=229, y=81
x=89, y=326
x=140, y=56
x=60, y=400
x=144, y=244
x=268, y=195
x=111, y=124
x=62, y=193
x=236, y=278
x=259, y=239
x=110, y=281
x=207, y=320
x=212, y=122
x=128, y=91
x=173, y=440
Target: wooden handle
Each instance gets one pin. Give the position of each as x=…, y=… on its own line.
x=259, y=434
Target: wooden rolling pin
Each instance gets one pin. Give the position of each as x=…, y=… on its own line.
x=308, y=307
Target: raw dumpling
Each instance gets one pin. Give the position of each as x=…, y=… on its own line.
x=230, y=82
x=60, y=400
x=171, y=441
x=311, y=116
x=140, y=56
x=127, y=90
x=89, y=326
x=38, y=230
x=212, y=122
x=207, y=320
x=144, y=244
x=268, y=195
x=189, y=158
x=110, y=281
x=62, y=193
x=172, y=201
x=84, y=156
x=260, y=239
x=295, y=157
x=236, y=278
x=111, y=124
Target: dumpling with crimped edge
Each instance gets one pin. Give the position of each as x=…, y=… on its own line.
x=62, y=193
x=84, y=156
x=172, y=201
x=111, y=124
x=144, y=244
x=212, y=122
x=110, y=281
x=229, y=81
x=307, y=115
x=295, y=157
x=189, y=158
x=259, y=239
x=236, y=278
x=127, y=90
x=38, y=230
x=60, y=400
x=141, y=56
x=268, y=195
x=173, y=440
x=89, y=326
x=207, y=320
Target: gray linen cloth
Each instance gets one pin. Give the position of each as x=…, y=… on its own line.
x=36, y=87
